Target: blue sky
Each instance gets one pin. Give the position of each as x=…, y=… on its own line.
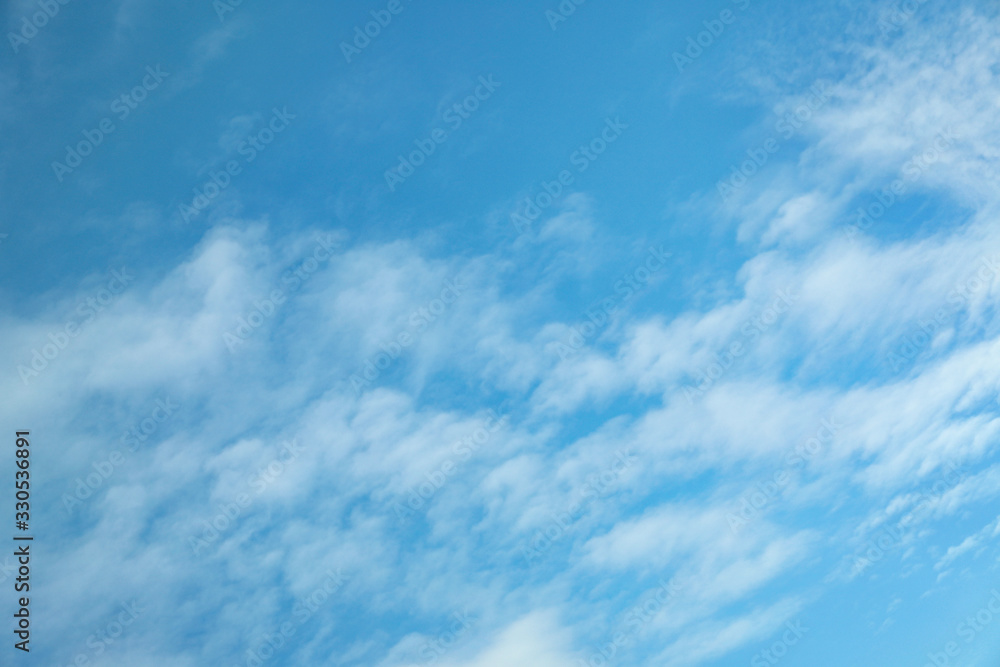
x=664, y=334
